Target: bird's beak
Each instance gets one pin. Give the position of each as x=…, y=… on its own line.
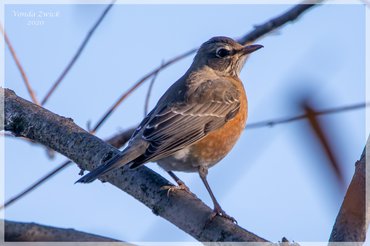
x=251, y=48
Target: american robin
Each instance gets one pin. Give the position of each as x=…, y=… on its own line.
x=196, y=122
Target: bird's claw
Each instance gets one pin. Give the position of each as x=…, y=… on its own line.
x=172, y=188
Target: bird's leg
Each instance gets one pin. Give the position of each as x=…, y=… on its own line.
x=217, y=210
x=180, y=184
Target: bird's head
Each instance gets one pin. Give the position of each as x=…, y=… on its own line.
x=224, y=55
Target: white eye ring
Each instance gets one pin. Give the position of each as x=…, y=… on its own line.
x=222, y=52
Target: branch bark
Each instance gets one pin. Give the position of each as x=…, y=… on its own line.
x=351, y=224
x=32, y=232
x=181, y=208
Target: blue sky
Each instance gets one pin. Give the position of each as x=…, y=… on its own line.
x=275, y=182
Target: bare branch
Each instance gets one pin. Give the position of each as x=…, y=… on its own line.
x=32, y=232
x=275, y=122
x=137, y=85
x=181, y=208
x=150, y=88
x=271, y=25
x=77, y=54
x=20, y=68
x=35, y=185
x=351, y=224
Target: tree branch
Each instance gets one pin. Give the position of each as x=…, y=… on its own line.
x=32, y=232
x=181, y=208
x=274, y=122
x=351, y=224
x=289, y=16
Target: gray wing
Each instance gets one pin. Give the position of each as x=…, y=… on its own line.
x=179, y=124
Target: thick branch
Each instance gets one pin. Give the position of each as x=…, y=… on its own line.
x=32, y=232
x=351, y=224
x=181, y=208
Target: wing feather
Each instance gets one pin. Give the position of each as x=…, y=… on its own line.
x=180, y=124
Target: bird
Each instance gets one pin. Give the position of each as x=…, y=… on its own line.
x=196, y=122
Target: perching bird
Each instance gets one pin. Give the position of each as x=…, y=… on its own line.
x=196, y=122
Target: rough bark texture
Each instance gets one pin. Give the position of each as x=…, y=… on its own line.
x=32, y=232
x=351, y=224
x=181, y=208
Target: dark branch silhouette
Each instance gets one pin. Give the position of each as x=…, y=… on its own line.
x=32, y=232
x=35, y=185
x=273, y=24
x=148, y=94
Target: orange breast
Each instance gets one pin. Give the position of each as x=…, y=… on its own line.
x=218, y=143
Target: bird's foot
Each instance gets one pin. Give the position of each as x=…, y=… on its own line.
x=172, y=188
x=219, y=212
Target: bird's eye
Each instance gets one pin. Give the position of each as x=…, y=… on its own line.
x=222, y=52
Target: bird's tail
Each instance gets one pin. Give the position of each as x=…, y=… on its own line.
x=118, y=161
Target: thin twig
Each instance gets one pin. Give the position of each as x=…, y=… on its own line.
x=275, y=122
x=78, y=53
x=20, y=68
x=291, y=15
x=35, y=185
x=150, y=88
x=136, y=85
